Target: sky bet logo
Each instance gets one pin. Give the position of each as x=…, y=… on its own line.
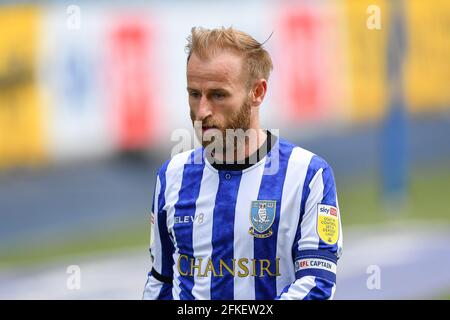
x=328, y=210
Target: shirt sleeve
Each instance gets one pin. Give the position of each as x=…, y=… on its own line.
x=318, y=242
x=159, y=279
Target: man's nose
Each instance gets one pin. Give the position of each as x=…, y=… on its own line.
x=204, y=109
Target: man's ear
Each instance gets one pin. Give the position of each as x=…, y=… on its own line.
x=258, y=92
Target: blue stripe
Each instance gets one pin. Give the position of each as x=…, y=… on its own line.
x=321, y=291
x=321, y=254
x=167, y=247
x=222, y=287
x=185, y=206
x=271, y=188
x=166, y=292
x=324, y=274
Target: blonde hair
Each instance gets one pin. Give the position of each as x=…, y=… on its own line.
x=206, y=42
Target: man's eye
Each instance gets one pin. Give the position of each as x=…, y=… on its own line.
x=219, y=96
x=194, y=94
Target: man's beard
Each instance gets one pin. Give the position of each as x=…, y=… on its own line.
x=239, y=120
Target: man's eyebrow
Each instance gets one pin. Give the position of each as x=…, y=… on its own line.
x=218, y=90
x=210, y=90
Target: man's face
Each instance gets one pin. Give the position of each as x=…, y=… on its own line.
x=218, y=95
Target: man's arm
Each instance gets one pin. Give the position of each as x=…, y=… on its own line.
x=159, y=280
x=318, y=241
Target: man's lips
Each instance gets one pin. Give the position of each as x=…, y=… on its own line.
x=205, y=128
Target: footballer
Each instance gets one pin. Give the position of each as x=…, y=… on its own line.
x=248, y=215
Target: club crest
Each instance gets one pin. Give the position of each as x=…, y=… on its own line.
x=262, y=216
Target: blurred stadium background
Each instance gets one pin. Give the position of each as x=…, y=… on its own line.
x=90, y=95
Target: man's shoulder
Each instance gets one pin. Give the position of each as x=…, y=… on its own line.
x=303, y=157
x=177, y=161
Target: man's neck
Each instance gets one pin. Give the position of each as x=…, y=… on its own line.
x=242, y=147
x=254, y=151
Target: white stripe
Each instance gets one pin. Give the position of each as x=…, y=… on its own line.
x=333, y=291
x=202, y=232
x=290, y=213
x=300, y=288
x=310, y=238
x=243, y=240
x=152, y=289
x=174, y=177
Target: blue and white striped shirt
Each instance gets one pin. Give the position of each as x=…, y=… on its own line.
x=257, y=233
